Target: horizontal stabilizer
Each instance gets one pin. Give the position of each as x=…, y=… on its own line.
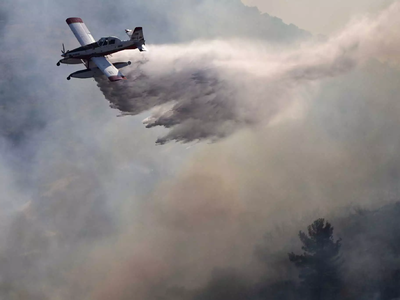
x=142, y=48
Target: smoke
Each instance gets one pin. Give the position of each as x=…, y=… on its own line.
x=98, y=212
x=210, y=89
x=325, y=148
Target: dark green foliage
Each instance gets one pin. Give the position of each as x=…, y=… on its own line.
x=372, y=253
x=320, y=262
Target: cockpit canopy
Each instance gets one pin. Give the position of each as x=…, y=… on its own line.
x=110, y=40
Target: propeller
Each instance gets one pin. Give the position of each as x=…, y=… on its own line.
x=62, y=54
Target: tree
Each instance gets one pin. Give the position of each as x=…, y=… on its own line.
x=320, y=262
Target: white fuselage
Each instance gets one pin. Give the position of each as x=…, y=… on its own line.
x=104, y=46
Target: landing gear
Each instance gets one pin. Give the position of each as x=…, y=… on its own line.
x=58, y=64
x=69, y=78
x=129, y=63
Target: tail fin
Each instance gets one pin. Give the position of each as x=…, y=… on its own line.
x=135, y=35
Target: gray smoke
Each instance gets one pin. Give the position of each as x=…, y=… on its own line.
x=63, y=186
x=92, y=210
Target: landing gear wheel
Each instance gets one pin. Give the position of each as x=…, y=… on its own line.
x=58, y=64
x=69, y=78
x=129, y=63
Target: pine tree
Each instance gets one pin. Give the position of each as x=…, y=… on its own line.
x=320, y=262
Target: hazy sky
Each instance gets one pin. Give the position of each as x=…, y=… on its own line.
x=318, y=16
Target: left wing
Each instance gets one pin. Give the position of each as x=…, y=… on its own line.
x=80, y=31
x=108, y=68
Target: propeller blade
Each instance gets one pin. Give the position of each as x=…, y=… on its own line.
x=63, y=48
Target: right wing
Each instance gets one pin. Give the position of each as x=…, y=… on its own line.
x=80, y=31
x=108, y=68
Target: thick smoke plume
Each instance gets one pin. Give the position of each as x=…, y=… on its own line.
x=210, y=89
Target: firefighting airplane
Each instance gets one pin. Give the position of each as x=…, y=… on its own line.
x=94, y=54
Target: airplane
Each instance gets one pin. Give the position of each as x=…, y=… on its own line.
x=94, y=54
